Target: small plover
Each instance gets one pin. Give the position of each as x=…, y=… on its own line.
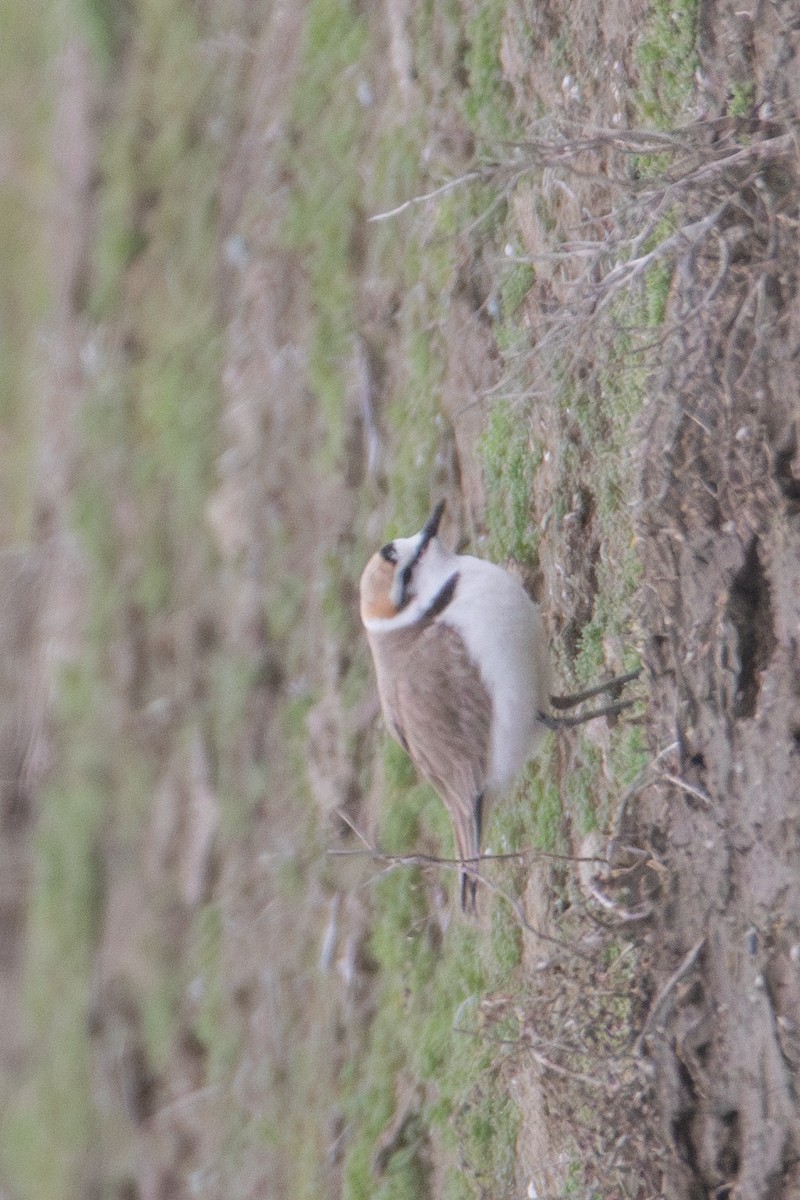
x=463, y=666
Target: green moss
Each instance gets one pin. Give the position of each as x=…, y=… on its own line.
x=488, y=101
x=54, y=1108
x=517, y=282
x=667, y=58
x=489, y=1129
x=29, y=41
x=324, y=214
x=743, y=97
x=509, y=467
x=416, y=429
x=212, y=1021
x=582, y=788
x=507, y=940
x=422, y=1029
x=631, y=754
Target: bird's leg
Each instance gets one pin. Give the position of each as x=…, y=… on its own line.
x=469, y=887
x=469, y=877
x=610, y=710
x=613, y=686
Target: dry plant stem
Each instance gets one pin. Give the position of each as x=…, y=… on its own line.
x=645, y=777
x=626, y=273
x=658, y=1003
x=428, y=860
x=712, y=161
x=622, y=914
x=186, y=1100
x=547, y=1065
x=564, y=151
x=766, y=151
x=524, y=1043
x=519, y=913
x=689, y=788
x=756, y=296
x=435, y=860
x=612, y=267
x=469, y=177
x=392, y=862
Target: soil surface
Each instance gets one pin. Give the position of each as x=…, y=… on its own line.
x=720, y=526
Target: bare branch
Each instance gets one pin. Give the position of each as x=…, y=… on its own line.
x=391, y=862
x=657, y=1005
x=469, y=177
x=434, y=860
x=689, y=788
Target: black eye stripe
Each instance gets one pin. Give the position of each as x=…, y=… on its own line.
x=388, y=553
x=405, y=580
x=408, y=570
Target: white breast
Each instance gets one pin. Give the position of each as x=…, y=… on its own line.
x=505, y=635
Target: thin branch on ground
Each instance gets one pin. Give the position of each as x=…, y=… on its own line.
x=628, y=271
x=525, y=1043
x=695, y=165
x=435, y=860
x=460, y=181
x=391, y=862
x=688, y=788
x=617, y=910
x=657, y=1005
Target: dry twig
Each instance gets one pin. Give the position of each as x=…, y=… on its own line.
x=657, y=1005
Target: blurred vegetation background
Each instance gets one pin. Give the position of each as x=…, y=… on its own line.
x=221, y=385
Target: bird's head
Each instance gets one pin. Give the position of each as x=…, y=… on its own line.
x=401, y=574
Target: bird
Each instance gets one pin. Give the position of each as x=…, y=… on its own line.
x=462, y=661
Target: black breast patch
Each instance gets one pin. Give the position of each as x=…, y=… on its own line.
x=442, y=598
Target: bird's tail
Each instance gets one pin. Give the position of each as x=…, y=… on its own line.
x=467, y=824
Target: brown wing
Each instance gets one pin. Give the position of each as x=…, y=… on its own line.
x=439, y=709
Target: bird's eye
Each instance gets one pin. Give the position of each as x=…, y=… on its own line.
x=388, y=553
